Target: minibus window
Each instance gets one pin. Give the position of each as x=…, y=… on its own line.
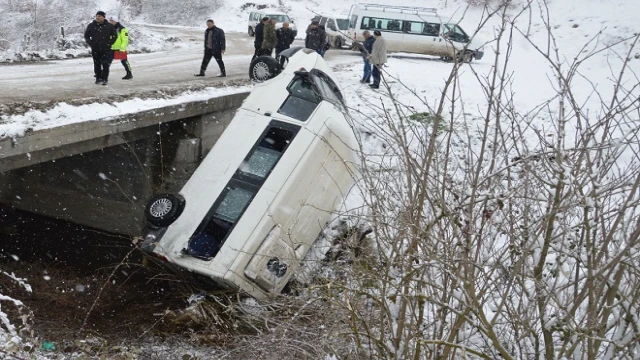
x=455, y=33
x=214, y=229
x=233, y=204
x=328, y=89
x=302, y=100
x=265, y=156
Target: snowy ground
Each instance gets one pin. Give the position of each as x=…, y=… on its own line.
x=574, y=23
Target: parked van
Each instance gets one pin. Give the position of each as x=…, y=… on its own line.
x=262, y=195
x=256, y=16
x=337, y=27
x=414, y=30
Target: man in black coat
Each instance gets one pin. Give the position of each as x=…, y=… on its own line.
x=100, y=35
x=316, y=38
x=285, y=38
x=214, y=46
x=259, y=37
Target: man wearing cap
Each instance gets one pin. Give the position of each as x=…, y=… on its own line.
x=316, y=38
x=100, y=35
x=121, y=46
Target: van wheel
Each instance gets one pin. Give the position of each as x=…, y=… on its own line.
x=162, y=210
x=338, y=44
x=465, y=57
x=251, y=33
x=263, y=68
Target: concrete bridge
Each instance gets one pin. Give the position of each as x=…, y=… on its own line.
x=102, y=173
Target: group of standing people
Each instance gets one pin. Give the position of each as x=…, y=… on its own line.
x=267, y=38
x=374, y=55
x=107, y=38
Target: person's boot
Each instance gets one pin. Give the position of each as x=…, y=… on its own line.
x=128, y=76
x=201, y=73
x=98, y=81
x=222, y=74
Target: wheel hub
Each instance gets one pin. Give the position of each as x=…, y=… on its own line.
x=261, y=71
x=161, y=207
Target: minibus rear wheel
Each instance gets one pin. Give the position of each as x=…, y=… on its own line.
x=263, y=68
x=164, y=209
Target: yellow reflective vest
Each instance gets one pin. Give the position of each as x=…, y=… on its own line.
x=122, y=41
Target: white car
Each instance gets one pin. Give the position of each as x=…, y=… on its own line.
x=256, y=16
x=262, y=195
x=337, y=27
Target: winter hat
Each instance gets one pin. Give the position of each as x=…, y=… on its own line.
x=114, y=18
x=315, y=22
x=101, y=13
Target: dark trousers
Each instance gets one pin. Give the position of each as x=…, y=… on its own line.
x=375, y=73
x=366, y=76
x=207, y=57
x=127, y=66
x=101, y=62
x=281, y=59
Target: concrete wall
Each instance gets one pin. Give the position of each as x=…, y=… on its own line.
x=102, y=174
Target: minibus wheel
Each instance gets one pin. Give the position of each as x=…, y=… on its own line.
x=263, y=68
x=465, y=57
x=338, y=43
x=162, y=210
x=251, y=33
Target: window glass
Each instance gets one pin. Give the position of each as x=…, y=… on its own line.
x=207, y=240
x=323, y=20
x=381, y=24
x=280, y=18
x=331, y=24
x=233, y=204
x=455, y=33
x=328, y=89
x=431, y=29
x=302, y=100
x=354, y=21
x=343, y=24
x=263, y=159
x=413, y=27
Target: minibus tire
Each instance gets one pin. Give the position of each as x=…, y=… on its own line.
x=263, y=68
x=251, y=32
x=164, y=209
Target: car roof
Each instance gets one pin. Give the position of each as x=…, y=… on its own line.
x=336, y=16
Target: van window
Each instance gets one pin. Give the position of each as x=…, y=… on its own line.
x=343, y=24
x=302, y=99
x=455, y=33
x=210, y=235
x=328, y=89
x=381, y=24
x=279, y=18
x=353, y=21
x=331, y=24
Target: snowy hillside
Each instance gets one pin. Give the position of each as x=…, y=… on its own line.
x=503, y=194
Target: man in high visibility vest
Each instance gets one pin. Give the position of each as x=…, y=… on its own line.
x=120, y=46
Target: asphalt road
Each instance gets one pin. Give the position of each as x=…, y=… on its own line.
x=153, y=73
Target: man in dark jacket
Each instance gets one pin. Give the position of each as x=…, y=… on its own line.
x=270, y=38
x=316, y=38
x=214, y=46
x=366, y=49
x=259, y=37
x=100, y=35
x=285, y=39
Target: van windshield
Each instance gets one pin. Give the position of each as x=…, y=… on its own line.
x=279, y=18
x=343, y=24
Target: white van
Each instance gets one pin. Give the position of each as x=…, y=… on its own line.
x=262, y=195
x=256, y=16
x=337, y=27
x=414, y=30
